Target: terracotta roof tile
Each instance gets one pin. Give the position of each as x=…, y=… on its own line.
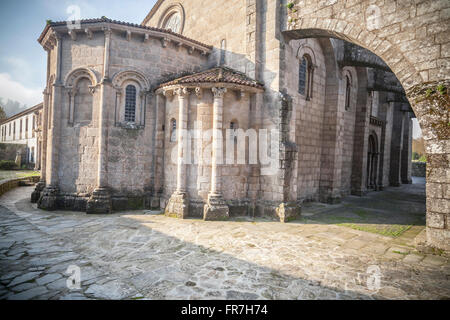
x=216, y=75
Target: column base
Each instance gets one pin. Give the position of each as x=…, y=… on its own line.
x=438, y=238
x=178, y=206
x=37, y=192
x=48, y=198
x=100, y=202
x=288, y=212
x=216, y=209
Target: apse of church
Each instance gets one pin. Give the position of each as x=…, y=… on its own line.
x=231, y=123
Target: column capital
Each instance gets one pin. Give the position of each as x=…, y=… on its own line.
x=218, y=92
x=181, y=92
x=73, y=92
x=107, y=31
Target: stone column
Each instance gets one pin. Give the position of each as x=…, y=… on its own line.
x=100, y=201
x=178, y=205
x=42, y=147
x=407, y=150
x=158, y=153
x=216, y=208
x=48, y=198
x=396, y=146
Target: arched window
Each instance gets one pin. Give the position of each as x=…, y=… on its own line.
x=348, y=86
x=173, y=130
x=233, y=128
x=130, y=103
x=173, y=22
x=305, y=77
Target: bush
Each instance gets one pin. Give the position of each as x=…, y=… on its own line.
x=7, y=165
x=423, y=159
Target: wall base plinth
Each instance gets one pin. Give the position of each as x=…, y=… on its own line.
x=178, y=206
x=216, y=209
x=48, y=199
x=100, y=202
x=37, y=192
x=288, y=212
x=438, y=238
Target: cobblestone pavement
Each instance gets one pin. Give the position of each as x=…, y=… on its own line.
x=147, y=256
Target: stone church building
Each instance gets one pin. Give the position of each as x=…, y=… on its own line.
x=123, y=101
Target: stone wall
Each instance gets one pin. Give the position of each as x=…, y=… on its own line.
x=225, y=22
x=7, y=185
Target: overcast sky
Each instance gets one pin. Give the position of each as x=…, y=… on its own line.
x=22, y=59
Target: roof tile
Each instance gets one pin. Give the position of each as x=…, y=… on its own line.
x=216, y=75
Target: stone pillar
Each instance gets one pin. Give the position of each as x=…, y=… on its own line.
x=361, y=135
x=216, y=208
x=100, y=200
x=158, y=154
x=178, y=205
x=48, y=198
x=431, y=108
x=396, y=146
x=42, y=148
x=407, y=150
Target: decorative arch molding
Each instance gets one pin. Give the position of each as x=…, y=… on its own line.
x=120, y=81
x=75, y=75
x=351, y=73
x=121, y=77
x=305, y=49
x=71, y=85
x=176, y=8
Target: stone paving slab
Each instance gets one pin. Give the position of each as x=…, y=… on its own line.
x=136, y=255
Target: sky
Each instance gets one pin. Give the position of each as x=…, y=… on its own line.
x=23, y=60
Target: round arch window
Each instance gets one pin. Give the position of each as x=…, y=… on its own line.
x=173, y=22
x=173, y=19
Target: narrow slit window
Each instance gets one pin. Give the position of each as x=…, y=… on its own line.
x=302, y=76
x=130, y=104
x=348, y=86
x=173, y=130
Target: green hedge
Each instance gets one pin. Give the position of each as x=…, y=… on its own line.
x=7, y=165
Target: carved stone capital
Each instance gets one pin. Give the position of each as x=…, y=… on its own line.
x=89, y=33
x=218, y=92
x=181, y=92
x=73, y=35
x=92, y=89
x=165, y=42
x=199, y=92
x=72, y=92
x=107, y=31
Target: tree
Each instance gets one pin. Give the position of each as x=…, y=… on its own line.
x=2, y=114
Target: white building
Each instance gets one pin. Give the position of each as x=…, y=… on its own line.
x=21, y=129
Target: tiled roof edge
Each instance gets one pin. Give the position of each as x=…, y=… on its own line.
x=128, y=24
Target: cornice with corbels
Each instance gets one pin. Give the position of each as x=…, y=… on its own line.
x=166, y=39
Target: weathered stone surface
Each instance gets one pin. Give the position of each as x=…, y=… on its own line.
x=134, y=256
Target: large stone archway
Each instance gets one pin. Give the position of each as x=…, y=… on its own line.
x=411, y=37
